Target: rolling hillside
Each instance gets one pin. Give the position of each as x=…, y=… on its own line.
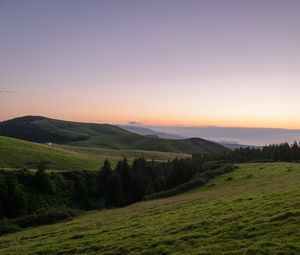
x=253, y=210
x=15, y=153
x=42, y=130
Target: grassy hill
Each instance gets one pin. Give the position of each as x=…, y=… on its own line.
x=42, y=130
x=15, y=153
x=253, y=210
x=114, y=155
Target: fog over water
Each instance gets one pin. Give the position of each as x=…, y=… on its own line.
x=250, y=136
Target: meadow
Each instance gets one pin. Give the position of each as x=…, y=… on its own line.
x=253, y=210
x=17, y=154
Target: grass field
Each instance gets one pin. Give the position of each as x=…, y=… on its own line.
x=119, y=154
x=16, y=153
x=253, y=210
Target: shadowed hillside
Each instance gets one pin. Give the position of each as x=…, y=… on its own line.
x=43, y=130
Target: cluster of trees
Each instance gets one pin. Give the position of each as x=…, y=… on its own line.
x=25, y=192
x=18, y=190
x=130, y=183
x=275, y=152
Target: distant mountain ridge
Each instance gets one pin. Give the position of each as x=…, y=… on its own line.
x=150, y=132
x=154, y=133
x=242, y=135
x=41, y=129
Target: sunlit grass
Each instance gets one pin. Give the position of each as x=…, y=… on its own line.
x=253, y=210
x=16, y=153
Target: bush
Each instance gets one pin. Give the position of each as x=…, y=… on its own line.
x=46, y=216
x=179, y=189
x=226, y=168
x=215, y=170
x=6, y=227
x=9, y=228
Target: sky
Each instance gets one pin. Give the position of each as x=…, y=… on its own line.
x=230, y=63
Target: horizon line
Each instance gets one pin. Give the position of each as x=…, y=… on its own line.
x=152, y=125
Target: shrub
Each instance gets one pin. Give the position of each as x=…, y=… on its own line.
x=216, y=168
x=46, y=216
x=6, y=227
x=179, y=189
x=9, y=228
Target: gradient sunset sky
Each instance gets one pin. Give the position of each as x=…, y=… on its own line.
x=164, y=62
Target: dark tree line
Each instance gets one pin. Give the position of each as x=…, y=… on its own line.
x=25, y=192
x=275, y=152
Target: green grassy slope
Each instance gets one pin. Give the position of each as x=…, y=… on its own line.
x=41, y=129
x=254, y=210
x=16, y=153
x=112, y=154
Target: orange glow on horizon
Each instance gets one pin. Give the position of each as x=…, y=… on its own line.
x=169, y=121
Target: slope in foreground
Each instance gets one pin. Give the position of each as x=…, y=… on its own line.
x=254, y=210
